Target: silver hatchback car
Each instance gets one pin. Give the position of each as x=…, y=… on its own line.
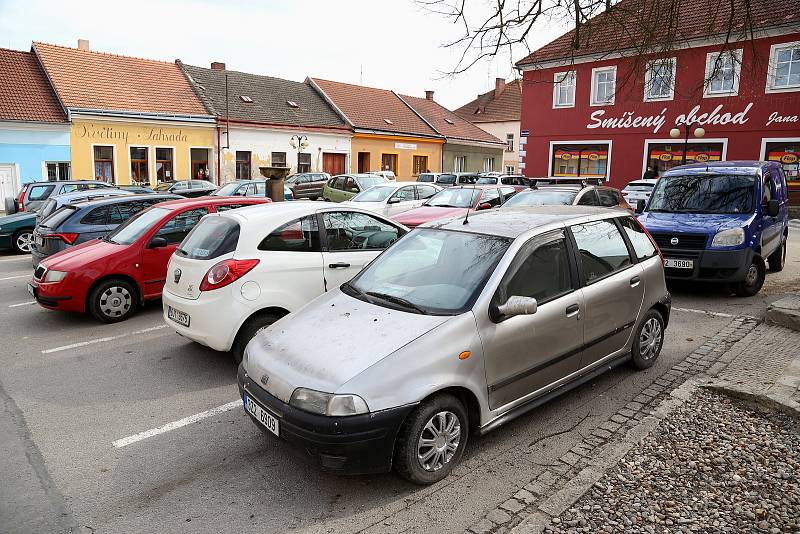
x=400, y=365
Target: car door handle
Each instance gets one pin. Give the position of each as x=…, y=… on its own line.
x=339, y=265
x=572, y=309
x=635, y=281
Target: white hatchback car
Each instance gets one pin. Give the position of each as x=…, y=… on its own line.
x=239, y=271
x=393, y=198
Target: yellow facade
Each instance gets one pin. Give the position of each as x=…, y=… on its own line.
x=404, y=149
x=90, y=141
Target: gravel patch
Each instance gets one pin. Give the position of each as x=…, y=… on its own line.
x=714, y=465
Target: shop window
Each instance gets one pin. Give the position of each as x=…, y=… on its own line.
x=242, y=165
x=57, y=170
x=590, y=161
x=139, y=167
x=604, y=82
x=164, y=164
x=661, y=157
x=510, y=142
x=659, y=80
x=278, y=159
x=200, y=169
x=420, y=164
x=788, y=153
x=784, y=67
x=564, y=89
x=488, y=164
x=460, y=164
x=303, y=162
x=104, y=163
x=389, y=163
x=722, y=73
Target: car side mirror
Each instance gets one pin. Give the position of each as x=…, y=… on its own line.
x=393, y=200
x=484, y=206
x=157, y=242
x=773, y=208
x=639, y=206
x=517, y=305
x=354, y=190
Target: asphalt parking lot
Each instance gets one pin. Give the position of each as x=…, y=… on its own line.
x=131, y=428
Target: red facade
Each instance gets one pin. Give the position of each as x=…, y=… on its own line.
x=619, y=139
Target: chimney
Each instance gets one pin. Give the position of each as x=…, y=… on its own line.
x=499, y=86
x=428, y=95
x=217, y=65
x=83, y=44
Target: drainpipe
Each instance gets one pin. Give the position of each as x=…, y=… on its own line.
x=219, y=151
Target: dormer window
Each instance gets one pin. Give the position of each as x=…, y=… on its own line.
x=292, y=104
x=387, y=121
x=449, y=121
x=246, y=99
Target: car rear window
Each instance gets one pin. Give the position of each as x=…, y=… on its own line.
x=211, y=238
x=59, y=216
x=40, y=192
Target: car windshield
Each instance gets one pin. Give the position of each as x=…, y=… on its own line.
x=417, y=273
x=488, y=180
x=447, y=179
x=136, y=226
x=368, y=181
x=639, y=186
x=706, y=193
x=377, y=193
x=227, y=189
x=541, y=197
x=458, y=197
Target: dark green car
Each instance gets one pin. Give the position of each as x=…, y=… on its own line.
x=16, y=232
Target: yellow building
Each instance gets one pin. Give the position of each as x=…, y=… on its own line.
x=405, y=156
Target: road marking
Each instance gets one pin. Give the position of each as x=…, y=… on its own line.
x=22, y=304
x=16, y=277
x=28, y=258
x=713, y=314
x=177, y=424
x=102, y=339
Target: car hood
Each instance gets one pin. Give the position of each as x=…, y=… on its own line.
x=702, y=223
x=20, y=219
x=79, y=256
x=425, y=214
x=328, y=342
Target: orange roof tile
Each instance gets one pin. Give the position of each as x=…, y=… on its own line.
x=448, y=123
x=25, y=93
x=490, y=108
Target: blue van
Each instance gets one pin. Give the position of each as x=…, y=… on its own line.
x=720, y=222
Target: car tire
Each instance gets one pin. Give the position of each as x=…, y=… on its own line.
x=113, y=301
x=11, y=205
x=648, y=340
x=248, y=331
x=437, y=422
x=22, y=242
x=753, y=281
x=777, y=259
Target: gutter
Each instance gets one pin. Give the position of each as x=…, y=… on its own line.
x=144, y=115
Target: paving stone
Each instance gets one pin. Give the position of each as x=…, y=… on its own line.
x=525, y=496
x=498, y=516
x=512, y=505
x=482, y=527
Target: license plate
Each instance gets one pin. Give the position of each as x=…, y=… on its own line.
x=178, y=316
x=31, y=291
x=263, y=416
x=679, y=264
x=38, y=240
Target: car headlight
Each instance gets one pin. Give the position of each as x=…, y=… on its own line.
x=54, y=276
x=328, y=403
x=728, y=238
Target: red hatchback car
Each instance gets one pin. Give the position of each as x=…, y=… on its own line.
x=455, y=201
x=112, y=276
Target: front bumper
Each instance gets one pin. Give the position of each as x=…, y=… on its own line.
x=710, y=265
x=358, y=444
x=52, y=296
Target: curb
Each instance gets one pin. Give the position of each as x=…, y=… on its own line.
x=794, y=223
x=785, y=312
x=770, y=402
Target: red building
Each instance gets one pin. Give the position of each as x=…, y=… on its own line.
x=606, y=109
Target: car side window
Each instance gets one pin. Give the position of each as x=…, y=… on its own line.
x=589, y=198
x=228, y=207
x=643, y=247
x=180, y=225
x=768, y=189
x=299, y=235
x=607, y=199
x=602, y=249
x=540, y=270
x=337, y=183
x=40, y=192
x=180, y=186
x=508, y=192
x=350, y=185
x=425, y=191
x=122, y=212
x=351, y=230
x=97, y=216
x=260, y=189
x=404, y=193
x=69, y=188
x=491, y=197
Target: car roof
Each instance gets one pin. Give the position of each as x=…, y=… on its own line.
x=205, y=201
x=66, y=197
x=722, y=167
x=283, y=211
x=118, y=199
x=46, y=182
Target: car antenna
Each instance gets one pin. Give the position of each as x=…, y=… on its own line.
x=466, y=217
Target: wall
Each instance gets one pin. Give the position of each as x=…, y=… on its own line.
x=30, y=145
x=405, y=148
x=475, y=156
x=125, y=134
x=500, y=130
x=262, y=142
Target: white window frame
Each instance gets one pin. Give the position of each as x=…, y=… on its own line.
x=558, y=79
x=773, y=52
x=658, y=141
x=457, y=163
x=595, y=71
x=510, y=169
x=45, y=174
x=510, y=145
x=649, y=76
x=711, y=58
x=488, y=164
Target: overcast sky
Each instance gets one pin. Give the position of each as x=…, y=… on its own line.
x=395, y=42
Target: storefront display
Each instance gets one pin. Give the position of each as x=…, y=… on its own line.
x=661, y=157
x=590, y=161
x=788, y=153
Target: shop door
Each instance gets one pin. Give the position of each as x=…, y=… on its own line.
x=333, y=164
x=363, y=162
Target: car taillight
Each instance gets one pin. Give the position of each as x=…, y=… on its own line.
x=21, y=200
x=226, y=272
x=653, y=241
x=67, y=237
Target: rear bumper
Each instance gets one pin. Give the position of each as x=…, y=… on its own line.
x=710, y=265
x=358, y=444
x=6, y=241
x=207, y=325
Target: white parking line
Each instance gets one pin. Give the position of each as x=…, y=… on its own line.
x=16, y=277
x=103, y=339
x=22, y=304
x=713, y=314
x=177, y=424
x=18, y=258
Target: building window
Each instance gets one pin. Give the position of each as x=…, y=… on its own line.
x=104, y=163
x=788, y=153
x=488, y=164
x=164, y=164
x=278, y=159
x=139, y=166
x=303, y=162
x=420, y=164
x=590, y=161
x=784, y=67
x=659, y=80
x=57, y=170
x=200, y=169
x=564, y=89
x=661, y=157
x=604, y=81
x=242, y=165
x=389, y=163
x=460, y=164
x=509, y=142
x=722, y=73
x=510, y=169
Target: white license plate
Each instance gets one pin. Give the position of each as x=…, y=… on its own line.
x=38, y=240
x=679, y=264
x=178, y=316
x=262, y=415
x=30, y=290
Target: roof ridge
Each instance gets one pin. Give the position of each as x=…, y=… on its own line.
x=354, y=85
x=159, y=61
x=3, y=49
x=245, y=73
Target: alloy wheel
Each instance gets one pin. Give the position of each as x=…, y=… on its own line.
x=25, y=241
x=752, y=275
x=439, y=440
x=115, y=301
x=650, y=338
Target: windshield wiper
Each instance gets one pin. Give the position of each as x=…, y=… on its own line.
x=351, y=290
x=442, y=206
x=396, y=300
x=179, y=249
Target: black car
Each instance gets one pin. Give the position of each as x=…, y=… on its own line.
x=139, y=189
x=76, y=223
x=187, y=188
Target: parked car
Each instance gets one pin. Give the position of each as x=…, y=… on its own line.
x=545, y=299
x=721, y=222
x=638, y=190
x=78, y=222
x=393, y=198
x=456, y=201
x=187, y=188
x=55, y=202
x=259, y=265
x=138, y=189
x=389, y=175
x=517, y=181
x=16, y=232
x=428, y=177
x=575, y=195
x=307, y=184
x=248, y=188
x=111, y=277
x=346, y=186
x=457, y=178
x=34, y=194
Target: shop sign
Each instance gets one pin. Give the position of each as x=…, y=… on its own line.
x=665, y=157
x=406, y=146
x=701, y=157
x=789, y=158
x=628, y=119
x=593, y=157
x=104, y=132
x=776, y=117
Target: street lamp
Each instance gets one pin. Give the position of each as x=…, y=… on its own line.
x=299, y=142
x=675, y=133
